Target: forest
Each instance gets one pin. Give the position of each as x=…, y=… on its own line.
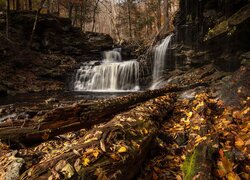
x=125, y=89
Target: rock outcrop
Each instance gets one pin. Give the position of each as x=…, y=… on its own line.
x=55, y=50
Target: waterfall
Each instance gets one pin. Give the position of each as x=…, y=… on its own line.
x=112, y=74
x=159, y=62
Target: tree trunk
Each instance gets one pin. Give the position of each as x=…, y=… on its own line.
x=7, y=17
x=75, y=18
x=107, y=151
x=30, y=5
x=18, y=7
x=129, y=18
x=35, y=22
x=70, y=10
x=81, y=16
x=58, y=7
x=74, y=117
x=114, y=21
x=94, y=15
x=166, y=16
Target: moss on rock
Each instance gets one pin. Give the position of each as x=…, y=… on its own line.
x=230, y=24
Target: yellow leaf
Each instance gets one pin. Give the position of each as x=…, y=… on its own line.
x=196, y=128
x=201, y=104
x=145, y=131
x=86, y=161
x=239, y=143
x=122, y=149
x=95, y=154
x=199, y=139
x=232, y=176
x=189, y=114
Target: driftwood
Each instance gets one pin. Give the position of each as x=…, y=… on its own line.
x=75, y=117
x=116, y=149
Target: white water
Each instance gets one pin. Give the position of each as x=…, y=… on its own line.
x=159, y=62
x=112, y=74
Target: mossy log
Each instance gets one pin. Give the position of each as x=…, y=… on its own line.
x=74, y=117
x=198, y=163
x=115, y=150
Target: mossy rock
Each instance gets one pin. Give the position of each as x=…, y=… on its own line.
x=230, y=25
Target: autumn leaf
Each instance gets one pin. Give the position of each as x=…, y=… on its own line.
x=239, y=143
x=68, y=171
x=96, y=153
x=189, y=114
x=232, y=176
x=122, y=149
x=196, y=128
x=45, y=136
x=115, y=157
x=85, y=161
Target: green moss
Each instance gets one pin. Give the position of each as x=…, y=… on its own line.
x=229, y=25
x=189, y=166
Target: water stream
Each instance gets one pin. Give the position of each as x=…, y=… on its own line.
x=159, y=62
x=111, y=75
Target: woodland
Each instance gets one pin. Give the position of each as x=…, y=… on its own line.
x=125, y=89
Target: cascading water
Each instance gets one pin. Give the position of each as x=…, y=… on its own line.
x=159, y=62
x=112, y=74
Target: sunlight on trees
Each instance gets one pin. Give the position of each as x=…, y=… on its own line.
x=122, y=19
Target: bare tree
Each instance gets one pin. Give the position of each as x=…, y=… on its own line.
x=129, y=18
x=166, y=15
x=35, y=22
x=94, y=14
x=7, y=17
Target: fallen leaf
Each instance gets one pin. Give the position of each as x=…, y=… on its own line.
x=96, y=153
x=122, y=149
x=115, y=157
x=102, y=145
x=232, y=176
x=85, y=161
x=196, y=128
x=68, y=171
x=239, y=143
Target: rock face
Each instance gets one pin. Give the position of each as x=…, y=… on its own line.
x=219, y=28
x=54, y=52
x=207, y=31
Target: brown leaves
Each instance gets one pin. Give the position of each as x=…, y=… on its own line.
x=225, y=168
x=239, y=143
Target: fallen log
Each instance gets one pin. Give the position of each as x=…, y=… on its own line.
x=116, y=149
x=74, y=117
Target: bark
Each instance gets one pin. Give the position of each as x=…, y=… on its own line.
x=124, y=140
x=75, y=117
x=7, y=17
x=35, y=22
x=129, y=18
x=75, y=18
x=48, y=8
x=166, y=16
x=30, y=5
x=94, y=15
x=18, y=7
x=70, y=10
x=114, y=21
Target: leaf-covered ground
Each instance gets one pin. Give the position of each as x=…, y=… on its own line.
x=198, y=132
x=203, y=121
